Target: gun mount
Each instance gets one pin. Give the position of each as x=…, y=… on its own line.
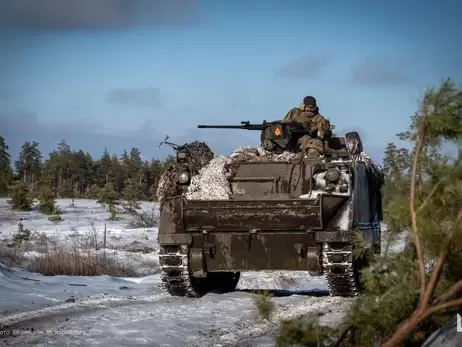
x=276, y=136
x=280, y=136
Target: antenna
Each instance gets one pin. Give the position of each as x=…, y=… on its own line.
x=162, y=142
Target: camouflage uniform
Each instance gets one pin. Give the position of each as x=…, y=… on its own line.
x=309, y=112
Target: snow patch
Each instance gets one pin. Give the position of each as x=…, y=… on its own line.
x=100, y=300
x=312, y=194
x=83, y=219
x=22, y=293
x=211, y=183
x=342, y=219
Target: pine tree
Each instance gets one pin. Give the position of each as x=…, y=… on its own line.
x=132, y=195
x=410, y=294
x=109, y=197
x=20, y=197
x=46, y=199
x=63, y=166
x=104, y=169
x=29, y=164
x=6, y=173
x=435, y=212
x=404, y=302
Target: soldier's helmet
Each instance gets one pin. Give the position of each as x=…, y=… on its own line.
x=309, y=101
x=309, y=104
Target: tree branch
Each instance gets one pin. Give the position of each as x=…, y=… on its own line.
x=415, y=229
x=448, y=294
x=423, y=311
x=436, y=273
x=441, y=307
x=433, y=191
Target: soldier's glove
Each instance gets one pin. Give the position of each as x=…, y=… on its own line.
x=320, y=134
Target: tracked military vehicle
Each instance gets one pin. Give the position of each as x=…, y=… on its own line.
x=298, y=214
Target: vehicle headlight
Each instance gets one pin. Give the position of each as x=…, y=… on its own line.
x=332, y=175
x=183, y=177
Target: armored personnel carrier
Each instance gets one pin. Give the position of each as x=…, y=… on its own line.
x=298, y=214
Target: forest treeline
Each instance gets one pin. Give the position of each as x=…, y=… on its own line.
x=73, y=173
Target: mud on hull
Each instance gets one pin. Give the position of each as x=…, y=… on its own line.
x=206, y=246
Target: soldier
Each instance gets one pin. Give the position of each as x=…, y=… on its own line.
x=309, y=112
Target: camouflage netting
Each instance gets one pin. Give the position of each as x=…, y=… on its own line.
x=213, y=181
x=211, y=174
x=200, y=153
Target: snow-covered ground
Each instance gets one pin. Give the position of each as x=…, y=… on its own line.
x=83, y=226
x=123, y=311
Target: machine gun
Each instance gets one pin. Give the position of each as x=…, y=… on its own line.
x=276, y=136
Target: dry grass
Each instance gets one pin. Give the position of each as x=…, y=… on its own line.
x=68, y=261
x=77, y=262
x=79, y=256
x=9, y=256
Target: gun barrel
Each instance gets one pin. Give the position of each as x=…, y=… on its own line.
x=221, y=126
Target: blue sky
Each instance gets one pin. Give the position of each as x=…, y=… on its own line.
x=127, y=73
